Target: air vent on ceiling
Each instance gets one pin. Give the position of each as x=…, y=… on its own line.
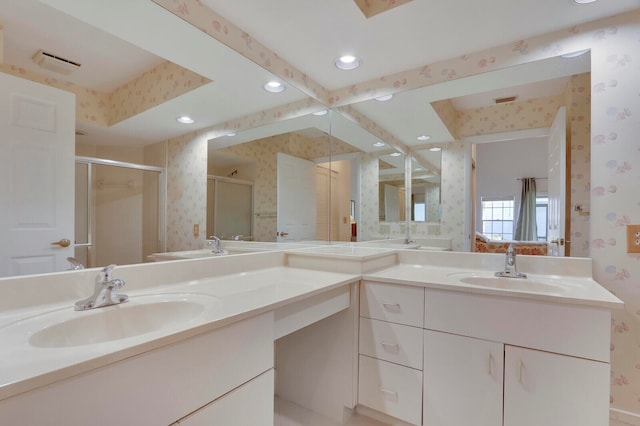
x=55, y=63
x=505, y=99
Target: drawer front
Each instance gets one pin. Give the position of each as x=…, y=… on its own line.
x=391, y=389
x=394, y=303
x=396, y=343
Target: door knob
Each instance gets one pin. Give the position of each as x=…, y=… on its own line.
x=62, y=243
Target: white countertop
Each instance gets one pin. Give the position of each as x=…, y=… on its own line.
x=270, y=281
x=228, y=298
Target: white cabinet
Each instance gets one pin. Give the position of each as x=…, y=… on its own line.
x=390, y=347
x=542, y=388
x=487, y=360
x=390, y=389
x=250, y=404
x=462, y=381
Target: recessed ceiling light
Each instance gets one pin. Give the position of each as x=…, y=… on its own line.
x=274, y=86
x=423, y=137
x=185, y=119
x=583, y=1
x=323, y=112
x=435, y=149
x=347, y=62
x=395, y=154
x=384, y=98
x=377, y=144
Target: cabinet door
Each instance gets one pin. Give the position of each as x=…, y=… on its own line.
x=463, y=380
x=250, y=404
x=543, y=388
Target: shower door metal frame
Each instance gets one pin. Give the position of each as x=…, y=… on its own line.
x=162, y=186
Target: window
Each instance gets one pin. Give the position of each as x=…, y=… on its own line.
x=542, y=220
x=497, y=218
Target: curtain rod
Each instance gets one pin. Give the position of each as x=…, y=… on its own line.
x=531, y=178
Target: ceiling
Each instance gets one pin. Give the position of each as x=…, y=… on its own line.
x=117, y=40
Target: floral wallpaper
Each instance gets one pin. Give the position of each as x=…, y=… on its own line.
x=92, y=106
x=154, y=87
x=186, y=191
x=579, y=116
x=529, y=114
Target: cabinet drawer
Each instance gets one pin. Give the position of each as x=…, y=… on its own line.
x=231, y=409
x=396, y=343
x=394, y=303
x=391, y=389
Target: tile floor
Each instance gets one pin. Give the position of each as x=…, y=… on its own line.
x=290, y=414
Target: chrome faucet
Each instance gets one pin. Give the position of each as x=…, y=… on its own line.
x=510, y=269
x=105, y=292
x=74, y=264
x=215, y=242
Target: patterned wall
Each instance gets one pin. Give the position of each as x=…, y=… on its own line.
x=154, y=87
x=186, y=191
x=579, y=115
x=530, y=114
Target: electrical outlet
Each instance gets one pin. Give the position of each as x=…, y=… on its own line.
x=196, y=230
x=633, y=238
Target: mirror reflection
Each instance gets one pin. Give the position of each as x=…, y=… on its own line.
x=293, y=189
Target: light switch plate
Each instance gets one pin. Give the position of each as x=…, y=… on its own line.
x=196, y=230
x=633, y=238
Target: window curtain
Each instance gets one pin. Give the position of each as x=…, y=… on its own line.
x=526, y=228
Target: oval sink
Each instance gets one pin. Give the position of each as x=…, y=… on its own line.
x=529, y=284
x=141, y=315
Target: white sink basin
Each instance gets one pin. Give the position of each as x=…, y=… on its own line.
x=141, y=315
x=529, y=284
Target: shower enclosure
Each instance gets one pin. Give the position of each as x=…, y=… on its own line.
x=118, y=214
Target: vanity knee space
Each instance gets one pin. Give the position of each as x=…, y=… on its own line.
x=481, y=359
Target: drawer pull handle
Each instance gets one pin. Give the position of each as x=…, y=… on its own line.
x=391, y=306
x=391, y=347
x=490, y=364
x=389, y=393
x=521, y=373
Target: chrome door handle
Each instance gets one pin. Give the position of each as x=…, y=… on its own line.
x=559, y=241
x=282, y=234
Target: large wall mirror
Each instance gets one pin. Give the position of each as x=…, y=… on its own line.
x=359, y=189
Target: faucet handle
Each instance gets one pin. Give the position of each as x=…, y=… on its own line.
x=106, y=272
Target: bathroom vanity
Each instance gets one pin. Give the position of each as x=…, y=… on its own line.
x=425, y=338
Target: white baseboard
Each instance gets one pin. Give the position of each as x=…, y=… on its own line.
x=623, y=418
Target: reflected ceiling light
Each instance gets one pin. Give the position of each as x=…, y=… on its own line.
x=395, y=154
x=423, y=137
x=378, y=144
x=583, y=1
x=384, y=98
x=347, y=62
x=323, y=112
x=435, y=149
x=185, y=119
x=274, y=86
x=231, y=134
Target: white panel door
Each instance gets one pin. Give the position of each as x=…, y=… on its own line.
x=296, y=199
x=462, y=380
x=557, y=164
x=37, y=143
x=542, y=388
